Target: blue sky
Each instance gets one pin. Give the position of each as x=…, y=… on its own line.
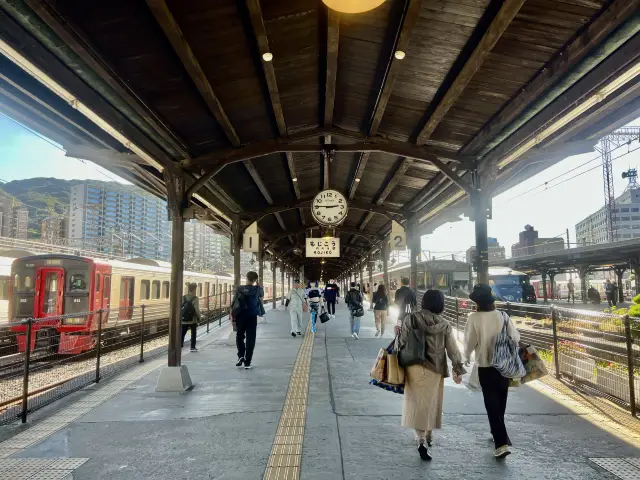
x=551, y=211
x=24, y=155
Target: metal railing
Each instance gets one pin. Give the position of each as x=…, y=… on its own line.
x=55, y=363
x=598, y=351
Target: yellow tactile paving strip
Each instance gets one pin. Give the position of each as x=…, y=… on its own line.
x=286, y=453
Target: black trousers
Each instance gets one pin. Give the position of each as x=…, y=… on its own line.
x=495, y=388
x=185, y=328
x=246, y=326
x=331, y=307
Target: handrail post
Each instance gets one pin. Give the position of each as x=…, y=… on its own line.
x=556, y=351
x=630, y=365
x=98, y=346
x=142, y=335
x=25, y=378
x=208, y=312
x=458, y=318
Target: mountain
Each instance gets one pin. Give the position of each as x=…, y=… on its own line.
x=43, y=197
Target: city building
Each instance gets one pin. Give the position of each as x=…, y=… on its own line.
x=117, y=219
x=531, y=244
x=205, y=250
x=593, y=229
x=14, y=218
x=54, y=229
x=496, y=252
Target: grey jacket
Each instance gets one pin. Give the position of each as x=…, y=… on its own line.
x=439, y=338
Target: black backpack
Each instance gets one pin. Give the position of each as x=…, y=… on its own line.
x=239, y=304
x=187, y=310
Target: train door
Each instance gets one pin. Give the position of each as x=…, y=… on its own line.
x=106, y=294
x=126, y=298
x=206, y=296
x=49, y=292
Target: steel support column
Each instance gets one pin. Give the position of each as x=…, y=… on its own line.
x=619, y=273
x=282, y=275
x=261, y=261
x=413, y=238
x=481, y=211
x=552, y=281
x=385, y=265
x=543, y=274
x=275, y=285
x=634, y=264
x=583, y=270
x=370, y=268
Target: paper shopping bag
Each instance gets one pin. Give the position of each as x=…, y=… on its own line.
x=378, y=371
x=395, y=373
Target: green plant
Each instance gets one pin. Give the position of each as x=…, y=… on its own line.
x=613, y=325
x=571, y=349
x=636, y=299
x=547, y=323
x=634, y=310
x=546, y=355
x=619, y=311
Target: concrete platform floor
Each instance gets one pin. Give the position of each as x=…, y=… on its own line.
x=225, y=427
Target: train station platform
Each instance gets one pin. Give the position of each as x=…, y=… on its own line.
x=306, y=411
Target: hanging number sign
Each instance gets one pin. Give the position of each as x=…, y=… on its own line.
x=323, y=247
x=398, y=237
x=251, y=239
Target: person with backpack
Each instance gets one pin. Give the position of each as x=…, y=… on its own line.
x=190, y=315
x=380, y=303
x=297, y=304
x=354, y=300
x=315, y=303
x=245, y=310
x=331, y=294
x=406, y=301
x=480, y=335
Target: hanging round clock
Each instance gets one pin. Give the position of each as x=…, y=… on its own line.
x=329, y=208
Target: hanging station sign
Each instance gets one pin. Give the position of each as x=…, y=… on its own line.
x=398, y=237
x=323, y=247
x=329, y=208
x=251, y=239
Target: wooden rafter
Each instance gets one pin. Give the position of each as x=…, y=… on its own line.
x=408, y=21
x=263, y=189
x=616, y=13
x=70, y=35
x=333, y=39
x=168, y=23
x=260, y=32
x=499, y=24
x=405, y=163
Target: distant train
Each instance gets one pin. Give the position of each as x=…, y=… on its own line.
x=45, y=286
x=511, y=285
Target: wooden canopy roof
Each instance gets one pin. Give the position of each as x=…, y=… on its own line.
x=184, y=83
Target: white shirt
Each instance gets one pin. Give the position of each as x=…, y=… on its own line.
x=480, y=335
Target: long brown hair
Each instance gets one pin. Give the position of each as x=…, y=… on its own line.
x=381, y=292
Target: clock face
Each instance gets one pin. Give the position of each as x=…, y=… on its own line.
x=329, y=208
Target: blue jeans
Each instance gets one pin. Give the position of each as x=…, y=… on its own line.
x=355, y=323
x=314, y=317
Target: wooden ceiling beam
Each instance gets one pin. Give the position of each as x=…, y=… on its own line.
x=219, y=159
x=497, y=27
x=615, y=14
x=333, y=40
x=73, y=39
x=398, y=174
x=292, y=171
x=403, y=35
x=260, y=32
x=263, y=189
x=168, y=23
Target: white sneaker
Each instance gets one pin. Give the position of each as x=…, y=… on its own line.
x=355, y=335
x=502, y=451
x=377, y=333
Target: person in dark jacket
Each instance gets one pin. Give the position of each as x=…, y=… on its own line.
x=405, y=300
x=246, y=321
x=380, y=303
x=191, y=323
x=331, y=294
x=354, y=300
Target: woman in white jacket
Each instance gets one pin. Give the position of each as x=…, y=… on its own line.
x=295, y=300
x=481, y=332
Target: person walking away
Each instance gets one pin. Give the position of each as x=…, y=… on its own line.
x=610, y=291
x=190, y=313
x=480, y=335
x=331, y=294
x=380, y=303
x=405, y=299
x=246, y=307
x=295, y=301
x=424, y=383
x=571, y=289
x=315, y=302
x=354, y=300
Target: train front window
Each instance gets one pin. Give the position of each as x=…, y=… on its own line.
x=4, y=287
x=77, y=281
x=22, y=283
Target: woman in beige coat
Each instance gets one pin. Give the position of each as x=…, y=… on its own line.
x=424, y=383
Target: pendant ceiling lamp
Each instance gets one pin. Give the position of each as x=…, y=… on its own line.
x=352, y=6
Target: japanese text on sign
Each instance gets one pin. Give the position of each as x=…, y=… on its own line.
x=323, y=247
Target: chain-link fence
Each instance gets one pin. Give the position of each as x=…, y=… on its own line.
x=599, y=351
x=69, y=352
